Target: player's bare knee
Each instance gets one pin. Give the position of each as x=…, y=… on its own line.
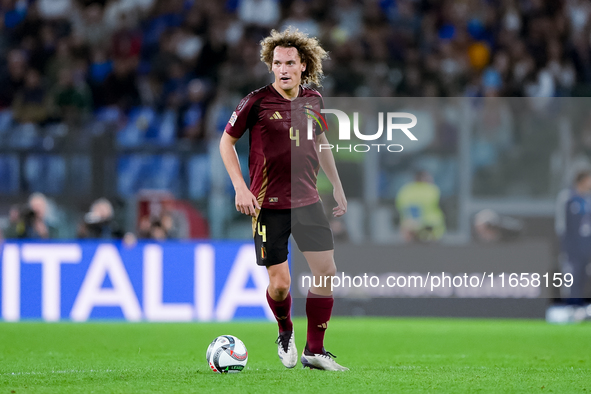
x=283, y=286
x=279, y=287
x=332, y=270
x=326, y=270
x=279, y=293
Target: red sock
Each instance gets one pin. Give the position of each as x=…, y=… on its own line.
x=318, y=310
x=282, y=312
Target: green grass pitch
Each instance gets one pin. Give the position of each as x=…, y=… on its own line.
x=385, y=355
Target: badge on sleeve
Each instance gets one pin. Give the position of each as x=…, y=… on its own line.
x=233, y=118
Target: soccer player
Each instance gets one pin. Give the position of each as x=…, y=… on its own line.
x=573, y=226
x=283, y=199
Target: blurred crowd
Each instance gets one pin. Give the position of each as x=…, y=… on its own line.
x=160, y=219
x=68, y=58
x=170, y=73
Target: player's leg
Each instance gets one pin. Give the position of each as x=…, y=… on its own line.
x=312, y=233
x=271, y=235
x=279, y=300
x=575, y=265
x=279, y=296
x=319, y=301
x=319, y=305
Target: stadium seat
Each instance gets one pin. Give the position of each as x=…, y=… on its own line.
x=45, y=173
x=140, y=171
x=142, y=122
x=9, y=174
x=198, y=170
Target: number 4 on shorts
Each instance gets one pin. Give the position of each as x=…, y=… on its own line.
x=263, y=232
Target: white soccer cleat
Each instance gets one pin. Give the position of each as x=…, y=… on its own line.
x=322, y=361
x=286, y=349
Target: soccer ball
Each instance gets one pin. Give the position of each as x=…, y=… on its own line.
x=226, y=354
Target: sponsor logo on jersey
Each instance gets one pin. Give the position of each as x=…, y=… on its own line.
x=276, y=115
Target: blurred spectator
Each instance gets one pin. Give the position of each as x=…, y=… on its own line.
x=38, y=39
x=165, y=55
x=29, y=221
x=72, y=97
x=13, y=13
x=244, y=72
x=55, y=9
x=561, y=69
x=126, y=42
x=173, y=91
x=120, y=89
x=152, y=228
x=349, y=15
x=299, y=18
x=89, y=25
x=132, y=10
x=100, y=66
x=192, y=113
x=99, y=222
x=403, y=47
x=188, y=46
x=163, y=223
x=262, y=13
x=32, y=103
x=421, y=218
x=213, y=53
x=164, y=15
x=13, y=79
x=406, y=22
x=63, y=59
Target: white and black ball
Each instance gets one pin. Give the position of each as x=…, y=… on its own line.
x=226, y=354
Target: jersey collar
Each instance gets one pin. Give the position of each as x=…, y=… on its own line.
x=279, y=94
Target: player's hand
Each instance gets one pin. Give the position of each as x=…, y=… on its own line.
x=339, y=197
x=246, y=202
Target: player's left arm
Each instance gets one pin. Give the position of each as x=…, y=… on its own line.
x=329, y=167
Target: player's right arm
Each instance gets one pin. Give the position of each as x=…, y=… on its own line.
x=245, y=201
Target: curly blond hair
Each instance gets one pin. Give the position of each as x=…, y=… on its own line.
x=308, y=48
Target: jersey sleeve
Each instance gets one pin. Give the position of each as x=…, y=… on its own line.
x=238, y=123
x=318, y=105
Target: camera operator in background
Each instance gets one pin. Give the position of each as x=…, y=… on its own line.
x=29, y=221
x=99, y=222
x=164, y=222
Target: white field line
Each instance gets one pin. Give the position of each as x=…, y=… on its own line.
x=57, y=372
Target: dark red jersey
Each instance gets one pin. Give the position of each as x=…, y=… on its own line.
x=283, y=162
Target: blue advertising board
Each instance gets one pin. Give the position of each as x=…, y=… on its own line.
x=165, y=281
